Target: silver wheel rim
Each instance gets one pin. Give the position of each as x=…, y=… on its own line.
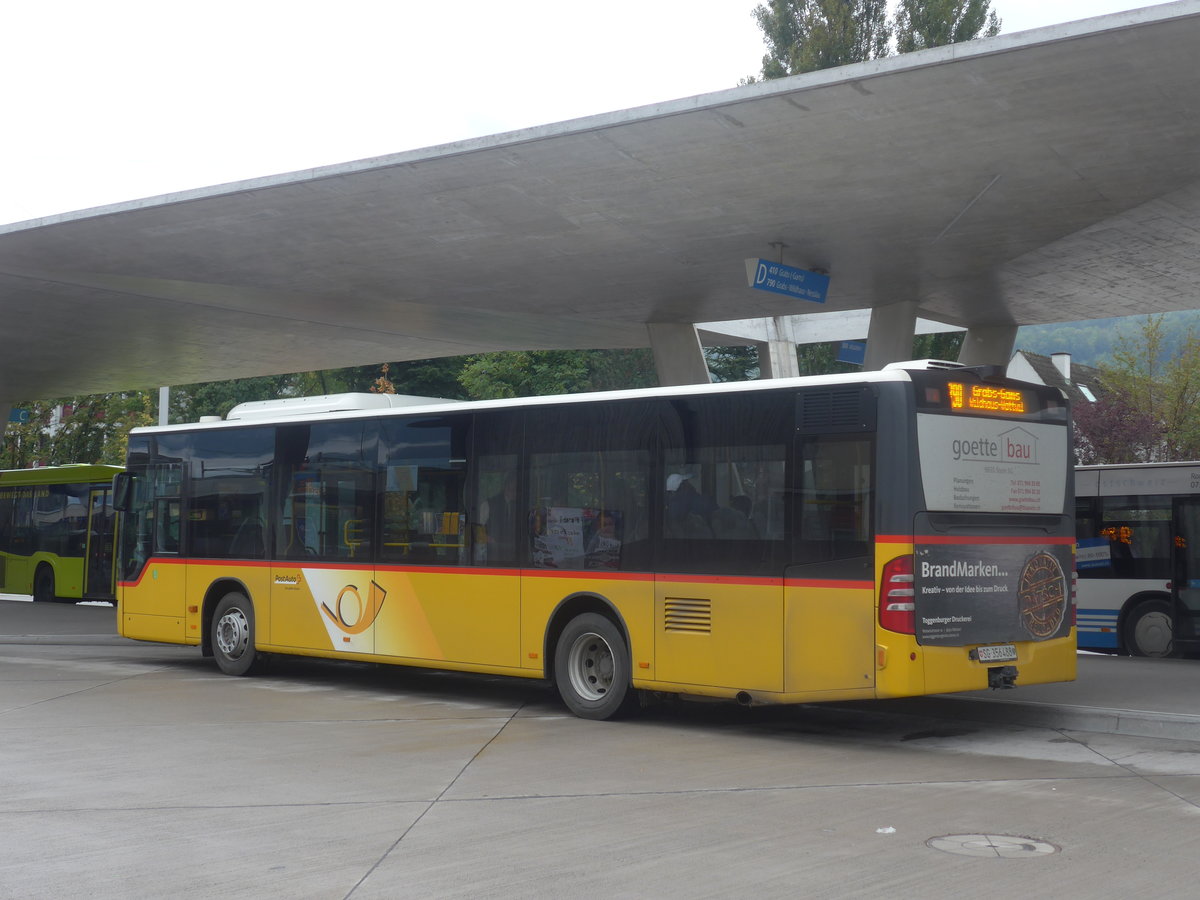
x=590, y=666
x=1152, y=634
x=233, y=634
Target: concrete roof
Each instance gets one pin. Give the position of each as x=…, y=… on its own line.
x=1044, y=176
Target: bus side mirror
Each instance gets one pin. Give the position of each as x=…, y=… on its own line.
x=122, y=491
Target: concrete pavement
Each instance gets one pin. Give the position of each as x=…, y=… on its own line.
x=137, y=770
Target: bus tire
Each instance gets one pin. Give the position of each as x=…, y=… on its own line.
x=592, y=670
x=1148, y=629
x=44, y=589
x=233, y=635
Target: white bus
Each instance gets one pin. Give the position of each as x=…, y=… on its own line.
x=1138, y=558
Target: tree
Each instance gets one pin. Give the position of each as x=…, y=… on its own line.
x=1161, y=382
x=1113, y=431
x=806, y=35
x=921, y=24
x=88, y=429
x=536, y=372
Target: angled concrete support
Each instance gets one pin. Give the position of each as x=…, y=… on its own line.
x=890, y=337
x=988, y=345
x=678, y=356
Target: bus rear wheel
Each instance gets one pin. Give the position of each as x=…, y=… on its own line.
x=44, y=589
x=592, y=670
x=233, y=635
x=1148, y=629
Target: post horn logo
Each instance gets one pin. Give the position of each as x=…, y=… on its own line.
x=350, y=613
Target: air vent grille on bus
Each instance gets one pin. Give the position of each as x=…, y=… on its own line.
x=691, y=616
x=837, y=409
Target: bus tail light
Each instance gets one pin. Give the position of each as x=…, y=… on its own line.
x=897, y=609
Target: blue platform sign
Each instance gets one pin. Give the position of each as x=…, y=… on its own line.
x=764, y=275
x=853, y=352
x=20, y=416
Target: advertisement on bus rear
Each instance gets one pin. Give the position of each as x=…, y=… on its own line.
x=992, y=465
x=971, y=593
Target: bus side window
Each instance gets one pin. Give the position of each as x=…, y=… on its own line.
x=835, y=499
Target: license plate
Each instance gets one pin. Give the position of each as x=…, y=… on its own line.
x=997, y=653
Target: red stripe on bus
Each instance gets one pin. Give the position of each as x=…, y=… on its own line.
x=676, y=578
x=994, y=539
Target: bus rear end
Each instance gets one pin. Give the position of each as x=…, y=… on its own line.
x=976, y=581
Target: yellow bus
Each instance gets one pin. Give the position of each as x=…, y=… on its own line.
x=56, y=532
x=883, y=534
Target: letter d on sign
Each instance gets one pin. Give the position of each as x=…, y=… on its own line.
x=761, y=275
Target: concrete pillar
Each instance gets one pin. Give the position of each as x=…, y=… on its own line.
x=777, y=359
x=678, y=356
x=777, y=355
x=890, y=336
x=988, y=345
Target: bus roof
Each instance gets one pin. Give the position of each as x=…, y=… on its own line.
x=329, y=408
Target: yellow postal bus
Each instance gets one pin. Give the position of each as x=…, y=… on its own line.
x=56, y=532
x=882, y=534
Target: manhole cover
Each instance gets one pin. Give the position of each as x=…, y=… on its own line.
x=997, y=846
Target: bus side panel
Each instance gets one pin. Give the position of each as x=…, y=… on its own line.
x=447, y=615
x=255, y=580
x=719, y=632
x=830, y=636
x=543, y=591
x=319, y=608
x=152, y=608
x=18, y=575
x=1101, y=601
x=68, y=574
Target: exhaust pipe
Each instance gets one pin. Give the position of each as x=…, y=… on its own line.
x=744, y=699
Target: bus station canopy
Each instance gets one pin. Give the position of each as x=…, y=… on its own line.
x=1043, y=176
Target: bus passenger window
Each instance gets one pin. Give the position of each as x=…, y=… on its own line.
x=835, y=500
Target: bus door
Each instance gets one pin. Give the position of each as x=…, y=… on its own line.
x=98, y=573
x=1185, y=584
x=829, y=588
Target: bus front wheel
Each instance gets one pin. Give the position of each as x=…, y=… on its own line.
x=1148, y=629
x=591, y=668
x=44, y=589
x=233, y=635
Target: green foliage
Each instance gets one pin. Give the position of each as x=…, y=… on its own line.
x=944, y=345
x=91, y=429
x=921, y=24
x=1163, y=385
x=732, y=363
x=806, y=35
x=539, y=372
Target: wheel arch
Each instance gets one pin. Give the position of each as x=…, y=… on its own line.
x=216, y=591
x=568, y=608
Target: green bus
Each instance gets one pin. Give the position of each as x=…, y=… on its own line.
x=57, y=528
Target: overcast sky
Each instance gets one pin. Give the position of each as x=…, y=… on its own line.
x=113, y=100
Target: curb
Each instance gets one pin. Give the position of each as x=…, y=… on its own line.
x=1132, y=722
